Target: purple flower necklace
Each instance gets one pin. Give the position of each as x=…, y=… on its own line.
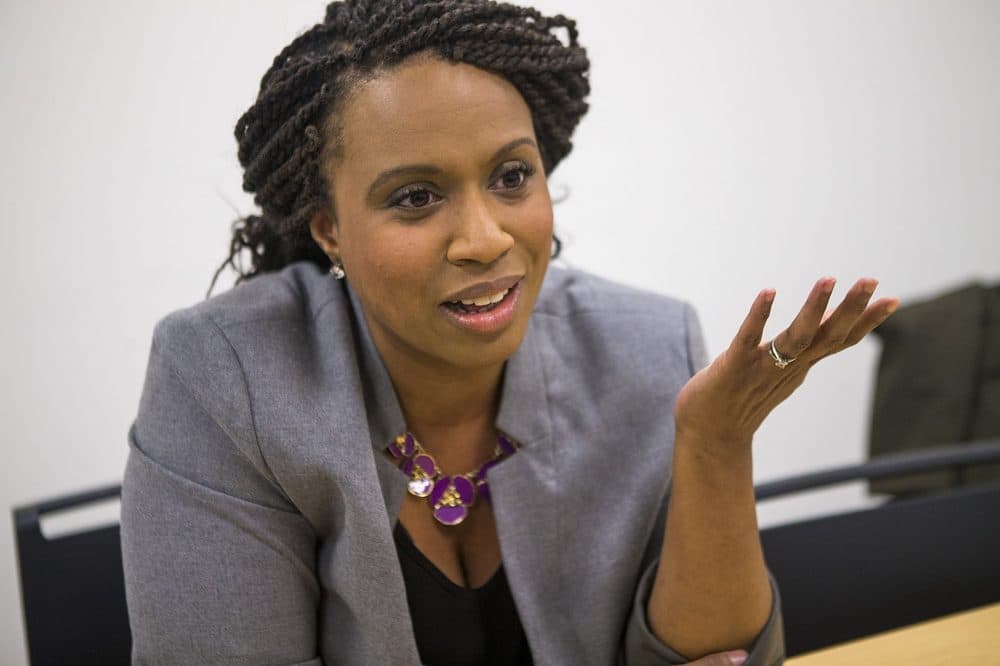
x=449, y=496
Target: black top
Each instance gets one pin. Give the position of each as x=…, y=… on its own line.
x=456, y=625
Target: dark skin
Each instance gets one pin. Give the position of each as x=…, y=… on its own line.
x=711, y=587
x=477, y=214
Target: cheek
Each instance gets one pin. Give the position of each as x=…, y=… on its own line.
x=535, y=223
x=390, y=265
x=389, y=262
x=365, y=248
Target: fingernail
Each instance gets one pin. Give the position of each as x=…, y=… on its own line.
x=892, y=308
x=828, y=285
x=737, y=658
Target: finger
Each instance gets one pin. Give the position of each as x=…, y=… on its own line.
x=874, y=314
x=734, y=658
x=834, y=330
x=877, y=313
x=752, y=329
x=799, y=335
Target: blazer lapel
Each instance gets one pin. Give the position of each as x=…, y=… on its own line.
x=523, y=488
x=527, y=505
x=375, y=574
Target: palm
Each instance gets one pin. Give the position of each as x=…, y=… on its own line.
x=727, y=401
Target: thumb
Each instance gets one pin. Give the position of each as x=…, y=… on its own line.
x=734, y=658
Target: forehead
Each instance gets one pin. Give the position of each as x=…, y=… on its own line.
x=429, y=109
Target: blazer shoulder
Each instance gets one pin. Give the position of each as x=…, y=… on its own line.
x=206, y=361
x=567, y=292
x=295, y=292
x=206, y=343
x=616, y=320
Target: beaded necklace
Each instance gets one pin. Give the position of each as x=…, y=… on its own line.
x=449, y=496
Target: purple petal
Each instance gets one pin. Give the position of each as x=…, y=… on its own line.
x=484, y=468
x=408, y=447
x=426, y=463
x=451, y=515
x=439, y=487
x=506, y=446
x=466, y=491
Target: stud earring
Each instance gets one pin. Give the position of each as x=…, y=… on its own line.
x=337, y=270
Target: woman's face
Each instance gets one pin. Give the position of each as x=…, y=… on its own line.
x=439, y=197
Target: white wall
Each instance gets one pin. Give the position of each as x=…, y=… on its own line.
x=730, y=146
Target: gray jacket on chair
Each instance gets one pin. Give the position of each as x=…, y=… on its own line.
x=258, y=507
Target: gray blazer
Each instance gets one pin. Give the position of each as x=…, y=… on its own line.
x=258, y=507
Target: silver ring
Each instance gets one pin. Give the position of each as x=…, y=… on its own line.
x=779, y=360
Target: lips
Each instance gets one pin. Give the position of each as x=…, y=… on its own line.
x=495, y=315
x=483, y=290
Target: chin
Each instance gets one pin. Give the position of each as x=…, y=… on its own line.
x=487, y=351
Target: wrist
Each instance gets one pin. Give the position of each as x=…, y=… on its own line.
x=712, y=453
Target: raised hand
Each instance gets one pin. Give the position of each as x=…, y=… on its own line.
x=724, y=404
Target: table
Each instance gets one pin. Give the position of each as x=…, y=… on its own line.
x=970, y=637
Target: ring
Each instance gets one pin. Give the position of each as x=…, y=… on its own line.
x=779, y=360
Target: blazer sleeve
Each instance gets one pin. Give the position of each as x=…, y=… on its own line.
x=641, y=646
x=219, y=565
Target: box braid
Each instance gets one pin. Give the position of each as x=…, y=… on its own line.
x=284, y=135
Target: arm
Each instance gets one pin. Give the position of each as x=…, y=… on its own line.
x=218, y=564
x=711, y=590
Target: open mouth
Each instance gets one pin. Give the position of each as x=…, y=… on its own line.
x=485, y=314
x=478, y=305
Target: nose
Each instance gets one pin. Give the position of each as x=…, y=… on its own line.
x=480, y=235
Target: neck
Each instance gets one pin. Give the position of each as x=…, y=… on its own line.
x=444, y=402
x=447, y=401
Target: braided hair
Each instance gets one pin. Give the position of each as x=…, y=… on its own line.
x=284, y=135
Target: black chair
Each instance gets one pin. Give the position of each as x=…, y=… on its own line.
x=841, y=577
x=850, y=575
x=72, y=588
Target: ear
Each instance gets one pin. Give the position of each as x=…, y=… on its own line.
x=324, y=231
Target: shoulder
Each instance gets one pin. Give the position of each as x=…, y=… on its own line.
x=292, y=294
x=609, y=319
x=224, y=371
x=290, y=297
x=569, y=292
x=209, y=345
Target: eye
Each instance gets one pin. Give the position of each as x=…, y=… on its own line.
x=513, y=177
x=414, y=198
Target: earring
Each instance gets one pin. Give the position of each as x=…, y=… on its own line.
x=337, y=270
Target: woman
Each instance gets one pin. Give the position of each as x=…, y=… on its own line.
x=446, y=452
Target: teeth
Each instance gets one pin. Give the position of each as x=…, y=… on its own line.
x=487, y=300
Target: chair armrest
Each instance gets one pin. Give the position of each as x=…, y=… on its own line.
x=897, y=464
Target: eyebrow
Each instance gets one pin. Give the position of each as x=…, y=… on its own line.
x=430, y=169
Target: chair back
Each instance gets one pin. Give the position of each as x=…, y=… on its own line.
x=855, y=574
x=72, y=588
x=852, y=575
